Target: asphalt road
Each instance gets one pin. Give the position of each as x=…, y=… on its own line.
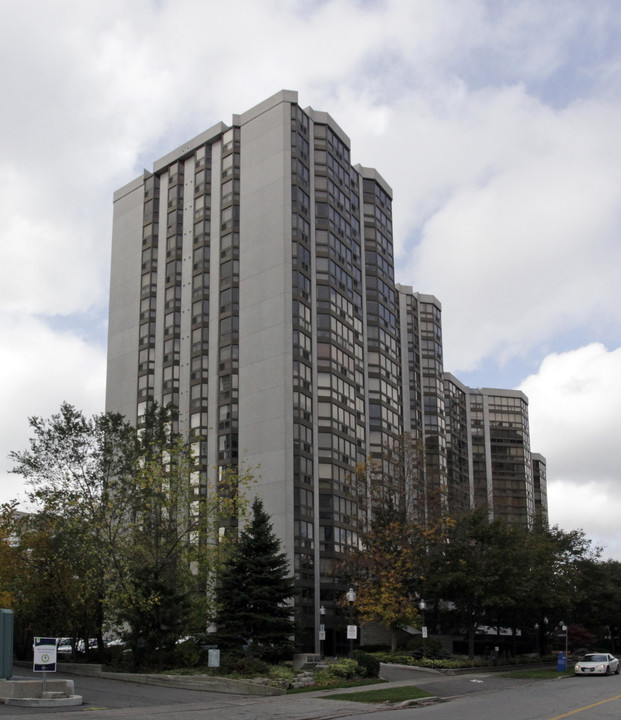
x=485, y=696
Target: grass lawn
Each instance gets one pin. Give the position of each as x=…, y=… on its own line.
x=395, y=694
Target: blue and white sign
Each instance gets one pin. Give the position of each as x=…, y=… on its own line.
x=44, y=654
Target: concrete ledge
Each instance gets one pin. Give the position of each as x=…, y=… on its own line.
x=419, y=702
x=206, y=683
x=80, y=668
x=306, y=660
x=15, y=689
x=45, y=702
x=68, y=667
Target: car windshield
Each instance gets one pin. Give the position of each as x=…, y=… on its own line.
x=595, y=658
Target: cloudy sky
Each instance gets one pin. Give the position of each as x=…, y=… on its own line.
x=496, y=122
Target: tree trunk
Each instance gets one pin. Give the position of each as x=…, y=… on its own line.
x=471, y=631
x=393, y=638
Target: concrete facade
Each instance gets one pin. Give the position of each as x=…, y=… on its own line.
x=252, y=287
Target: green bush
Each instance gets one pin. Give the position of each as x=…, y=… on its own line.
x=282, y=676
x=369, y=662
x=239, y=664
x=186, y=655
x=343, y=669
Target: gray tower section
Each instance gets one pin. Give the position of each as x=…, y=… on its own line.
x=123, y=324
x=265, y=327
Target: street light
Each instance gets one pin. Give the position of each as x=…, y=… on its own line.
x=545, y=635
x=422, y=606
x=564, y=630
x=351, y=628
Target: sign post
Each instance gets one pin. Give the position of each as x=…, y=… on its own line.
x=352, y=634
x=44, y=656
x=213, y=657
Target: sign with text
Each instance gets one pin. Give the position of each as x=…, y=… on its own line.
x=213, y=658
x=352, y=632
x=44, y=654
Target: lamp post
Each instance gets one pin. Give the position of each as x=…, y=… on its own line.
x=564, y=630
x=422, y=606
x=351, y=628
x=322, y=629
x=545, y=636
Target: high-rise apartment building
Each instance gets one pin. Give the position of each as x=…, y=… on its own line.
x=540, y=486
x=252, y=287
x=458, y=445
x=502, y=466
x=423, y=394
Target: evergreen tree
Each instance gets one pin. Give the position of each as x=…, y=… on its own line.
x=252, y=589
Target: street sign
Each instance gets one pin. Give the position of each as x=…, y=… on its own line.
x=44, y=654
x=213, y=658
x=424, y=631
x=352, y=632
x=322, y=634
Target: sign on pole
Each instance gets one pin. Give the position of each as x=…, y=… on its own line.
x=424, y=631
x=352, y=632
x=213, y=658
x=44, y=654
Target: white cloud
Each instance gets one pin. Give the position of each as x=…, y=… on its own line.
x=524, y=242
x=591, y=506
x=496, y=124
x=574, y=406
x=40, y=370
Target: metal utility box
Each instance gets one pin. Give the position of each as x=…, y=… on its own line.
x=6, y=644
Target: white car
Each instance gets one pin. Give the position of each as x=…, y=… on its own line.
x=63, y=646
x=597, y=664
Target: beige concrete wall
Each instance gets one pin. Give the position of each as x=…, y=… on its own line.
x=265, y=326
x=122, y=375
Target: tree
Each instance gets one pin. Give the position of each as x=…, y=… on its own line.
x=122, y=527
x=157, y=541
x=387, y=570
x=478, y=570
x=162, y=539
x=72, y=467
x=597, y=601
x=400, y=519
x=556, y=577
x=252, y=591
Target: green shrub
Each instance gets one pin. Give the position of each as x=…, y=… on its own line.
x=369, y=662
x=282, y=672
x=343, y=669
x=232, y=663
x=271, y=653
x=186, y=655
x=282, y=676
